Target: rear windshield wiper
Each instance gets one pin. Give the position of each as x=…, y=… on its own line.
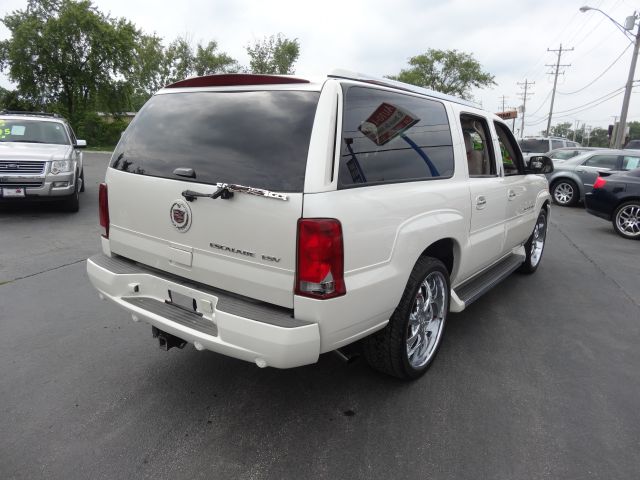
x=226, y=191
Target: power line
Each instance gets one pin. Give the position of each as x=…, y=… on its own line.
x=594, y=105
x=542, y=104
x=587, y=106
x=599, y=76
x=593, y=101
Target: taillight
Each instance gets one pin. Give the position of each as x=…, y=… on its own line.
x=599, y=183
x=103, y=207
x=320, y=262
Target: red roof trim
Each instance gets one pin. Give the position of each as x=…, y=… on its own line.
x=232, y=79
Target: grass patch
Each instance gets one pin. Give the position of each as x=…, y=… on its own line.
x=105, y=148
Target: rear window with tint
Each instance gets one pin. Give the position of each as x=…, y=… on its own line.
x=390, y=137
x=535, y=146
x=258, y=139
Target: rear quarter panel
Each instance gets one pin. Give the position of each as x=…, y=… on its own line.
x=385, y=229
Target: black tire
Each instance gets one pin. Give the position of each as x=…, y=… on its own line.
x=632, y=211
x=72, y=203
x=560, y=192
x=532, y=262
x=82, y=178
x=386, y=350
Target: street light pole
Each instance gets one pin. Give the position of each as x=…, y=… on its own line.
x=622, y=126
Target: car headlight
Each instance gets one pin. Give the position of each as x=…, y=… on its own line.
x=61, y=166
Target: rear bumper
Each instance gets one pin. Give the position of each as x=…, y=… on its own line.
x=228, y=324
x=600, y=204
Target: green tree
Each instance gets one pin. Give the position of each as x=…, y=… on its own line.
x=208, y=61
x=562, y=130
x=446, y=71
x=146, y=73
x=12, y=100
x=157, y=66
x=68, y=54
x=598, y=137
x=273, y=55
x=634, y=130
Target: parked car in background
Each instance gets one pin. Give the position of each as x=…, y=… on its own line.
x=616, y=198
x=632, y=145
x=572, y=178
x=542, y=145
x=565, y=153
x=40, y=159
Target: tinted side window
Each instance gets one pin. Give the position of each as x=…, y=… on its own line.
x=629, y=163
x=565, y=154
x=478, y=146
x=534, y=145
x=602, y=161
x=391, y=137
x=253, y=138
x=511, y=156
x=556, y=144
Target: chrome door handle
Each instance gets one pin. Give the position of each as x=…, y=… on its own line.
x=481, y=202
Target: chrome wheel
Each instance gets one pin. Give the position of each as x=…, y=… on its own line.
x=426, y=319
x=537, y=240
x=628, y=220
x=563, y=193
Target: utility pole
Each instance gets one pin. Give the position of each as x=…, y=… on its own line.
x=503, y=98
x=524, y=97
x=612, y=139
x=629, y=86
x=555, y=80
x=575, y=129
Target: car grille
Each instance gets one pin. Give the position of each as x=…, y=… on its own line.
x=30, y=168
x=21, y=184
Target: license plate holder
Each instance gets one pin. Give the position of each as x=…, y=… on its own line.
x=183, y=301
x=8, y=192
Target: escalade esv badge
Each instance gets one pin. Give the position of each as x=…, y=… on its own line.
x=180, y=215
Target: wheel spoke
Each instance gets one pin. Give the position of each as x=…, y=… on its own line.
x=414, y=343
x=426, y=319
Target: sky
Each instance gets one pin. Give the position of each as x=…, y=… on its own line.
x=509, y=38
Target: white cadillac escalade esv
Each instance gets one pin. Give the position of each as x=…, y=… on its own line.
x=272, y=218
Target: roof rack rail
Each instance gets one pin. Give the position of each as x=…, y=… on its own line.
x=21, y=112
x=387, y=82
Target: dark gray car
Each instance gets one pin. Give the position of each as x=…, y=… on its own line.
x=572, y=178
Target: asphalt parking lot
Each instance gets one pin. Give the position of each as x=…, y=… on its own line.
x=538, y=379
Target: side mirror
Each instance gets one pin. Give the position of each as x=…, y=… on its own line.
x=81, y=144
x=538, y=164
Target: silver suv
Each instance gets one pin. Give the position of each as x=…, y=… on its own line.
x=541, y=145
x=40, y=159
